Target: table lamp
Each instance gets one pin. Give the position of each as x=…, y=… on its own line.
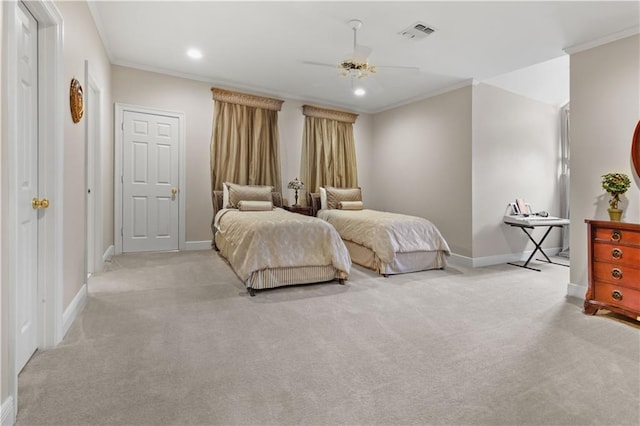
x=296, y=185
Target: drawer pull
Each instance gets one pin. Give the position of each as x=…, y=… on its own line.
x=616, y=236
x=616, y=273
x=616, y=253
x=616, y=295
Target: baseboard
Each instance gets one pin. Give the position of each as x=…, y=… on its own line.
x=197, y=245
x=7, y=414
x=510, y=257
x=459, y=260
x=576, y=290
x=73, y=310
x=108, y=254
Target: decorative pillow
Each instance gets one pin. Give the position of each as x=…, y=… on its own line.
x=254, y=206
x=323, y=198
x=350, y=205
x=239, y=193
x=225, y=195
x=335, y=195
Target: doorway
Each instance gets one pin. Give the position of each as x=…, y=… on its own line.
x=45, y=239
x=149, y=180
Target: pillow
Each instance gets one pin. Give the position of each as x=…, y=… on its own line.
x=323, y=198
x=254, y=206
x=350, y=205
x=247, y=193
x=335, y=195
x=225, y=195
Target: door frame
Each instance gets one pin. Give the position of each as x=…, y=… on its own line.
x=50, y=178
x=118, y=130
x=93, y=173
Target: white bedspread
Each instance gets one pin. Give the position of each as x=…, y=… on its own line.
x=386, y=233
x=277, y=239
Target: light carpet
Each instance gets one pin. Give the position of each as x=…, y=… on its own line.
x=174, y=339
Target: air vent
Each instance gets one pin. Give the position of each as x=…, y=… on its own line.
x=417, y=31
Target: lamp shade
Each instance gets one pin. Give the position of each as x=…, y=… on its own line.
x=296, y=184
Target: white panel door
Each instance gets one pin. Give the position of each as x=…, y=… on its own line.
x=26, y=180
x=150, y=175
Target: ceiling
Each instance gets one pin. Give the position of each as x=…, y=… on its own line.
x=261, y=47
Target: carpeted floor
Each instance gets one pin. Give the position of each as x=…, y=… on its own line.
x=174, y=339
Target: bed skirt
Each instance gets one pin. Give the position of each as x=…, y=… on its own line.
x=278, y=277
x=402, y=262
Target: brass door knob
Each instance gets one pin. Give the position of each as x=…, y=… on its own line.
x=37, y=203
x=174, y=191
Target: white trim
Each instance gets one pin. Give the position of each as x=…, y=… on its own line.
x=95, y=168
x=7, y=414
x=478, y=262
x=577, y=48
x=576, y=290
x=51, y=178
x=197, y=245
x=73, y=310
x=120, y=108
x=108, y=254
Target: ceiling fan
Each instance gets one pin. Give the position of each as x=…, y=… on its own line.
x=357, y=65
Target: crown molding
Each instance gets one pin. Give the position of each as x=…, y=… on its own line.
x=577, y=48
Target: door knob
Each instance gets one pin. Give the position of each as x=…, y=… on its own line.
x=37, y=203
x=174, y=191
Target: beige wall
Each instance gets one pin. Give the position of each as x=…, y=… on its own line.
x=4, y=335
x=152, y=90
x=81, y=42
x=605, y=106
x=422, y=161
x=516, y=145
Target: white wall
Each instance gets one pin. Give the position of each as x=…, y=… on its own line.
x=194, y=98
x=516, y=146
x=605, y=106
x=421, y=164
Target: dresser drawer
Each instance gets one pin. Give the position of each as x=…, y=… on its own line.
x=617, y=274
x=617, y=296
x=616, y=253
x=613, y=235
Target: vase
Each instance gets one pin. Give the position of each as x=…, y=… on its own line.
x=615, y=214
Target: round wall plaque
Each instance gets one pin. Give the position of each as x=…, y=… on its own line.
x=75, y=100
x=635, y=149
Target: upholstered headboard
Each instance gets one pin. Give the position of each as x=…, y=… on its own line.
x=313, y=201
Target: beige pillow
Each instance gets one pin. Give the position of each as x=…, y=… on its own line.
x=350, y=205
x=239, y=193
x=254, y=206
x=335, y=195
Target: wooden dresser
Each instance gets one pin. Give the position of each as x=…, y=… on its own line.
x=614, y=268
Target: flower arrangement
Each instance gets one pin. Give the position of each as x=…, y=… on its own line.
x=615, y=184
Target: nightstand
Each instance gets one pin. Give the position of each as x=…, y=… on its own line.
x=306, y=210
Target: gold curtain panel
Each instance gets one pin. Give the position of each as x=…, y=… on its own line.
x=246, y=99
x=331, y=114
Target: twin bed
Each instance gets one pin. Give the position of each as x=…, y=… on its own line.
x=269, y=247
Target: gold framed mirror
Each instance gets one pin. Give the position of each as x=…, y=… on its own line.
x=75, y=100
x=635, y=149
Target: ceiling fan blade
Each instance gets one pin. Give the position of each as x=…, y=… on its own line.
x=399, y=68
x=361, y=53
x=320, y=64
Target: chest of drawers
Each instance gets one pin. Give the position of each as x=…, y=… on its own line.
x=614, y=268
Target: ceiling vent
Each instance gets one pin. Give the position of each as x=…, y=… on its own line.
x=417, y=31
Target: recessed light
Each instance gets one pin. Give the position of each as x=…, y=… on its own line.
x=359, y=91
x=194, y=54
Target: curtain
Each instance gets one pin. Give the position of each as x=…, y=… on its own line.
x=245, y=144
x=564, y=177
x=328, y=149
